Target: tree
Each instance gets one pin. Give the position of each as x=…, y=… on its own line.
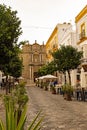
x=67, y=58
x=49, y=68
x=10, y=31
x=42, y=71
x=23, y=43
x=15, y=67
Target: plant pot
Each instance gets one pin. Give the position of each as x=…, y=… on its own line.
x=67, y=97
x=45, y=88
x=53, y=92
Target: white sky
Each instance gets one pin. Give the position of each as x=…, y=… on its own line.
x=39, y=17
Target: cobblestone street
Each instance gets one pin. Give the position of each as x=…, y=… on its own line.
x=59, y=113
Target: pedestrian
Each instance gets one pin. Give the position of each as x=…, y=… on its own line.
x=77, y=92
x=83, y=94
x=55, y=82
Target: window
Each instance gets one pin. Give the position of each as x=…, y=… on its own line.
x=78, y=77
x=36, y=58
x=82, y=30
x=82, y=27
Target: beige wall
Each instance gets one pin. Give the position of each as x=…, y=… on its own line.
x=34, y=56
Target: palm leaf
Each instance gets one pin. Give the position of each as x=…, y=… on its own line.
x=2, y=127
x=37, y=125
x=22, y=119
x=33, y=122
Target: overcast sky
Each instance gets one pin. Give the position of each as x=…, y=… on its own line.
x=39, y=17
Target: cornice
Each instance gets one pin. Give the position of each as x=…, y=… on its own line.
x=81, y=14
x=51, y=36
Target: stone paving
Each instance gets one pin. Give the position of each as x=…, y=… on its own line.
x=59, y=113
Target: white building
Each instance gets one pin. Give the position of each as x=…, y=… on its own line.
x=81, y=40
x=69, y=38
x=56, y=37
x=62, y=34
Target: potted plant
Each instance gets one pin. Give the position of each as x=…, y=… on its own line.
x=67, y=91
x=42, y=84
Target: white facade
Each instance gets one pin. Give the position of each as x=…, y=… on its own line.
x=69, y=38
x=63, y=33
x=57, y=36
x=79, y=24
x=66, y=36
x=81, y=39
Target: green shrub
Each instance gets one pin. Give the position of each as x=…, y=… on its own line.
x=16, y=109
x=67, y=88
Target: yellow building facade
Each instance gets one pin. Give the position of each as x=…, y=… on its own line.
x=55, y=39
x=52, y=44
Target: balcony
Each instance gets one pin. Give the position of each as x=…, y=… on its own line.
x=84, y=64
x=36, y=63
x=82, y=35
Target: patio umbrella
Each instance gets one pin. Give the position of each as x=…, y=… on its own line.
x=42, y=77
x=21, y=77
x=49, y=76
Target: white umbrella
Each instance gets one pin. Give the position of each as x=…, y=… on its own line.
x=49, y=76
x=42, y=77
x=20, y=77
x=4, y=77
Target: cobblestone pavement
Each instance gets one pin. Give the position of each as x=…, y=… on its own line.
x=59, y=113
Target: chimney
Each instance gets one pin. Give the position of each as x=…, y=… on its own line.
x=43, y=42
x=35, y=41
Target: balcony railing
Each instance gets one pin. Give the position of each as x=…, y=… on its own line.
x=82, y=35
